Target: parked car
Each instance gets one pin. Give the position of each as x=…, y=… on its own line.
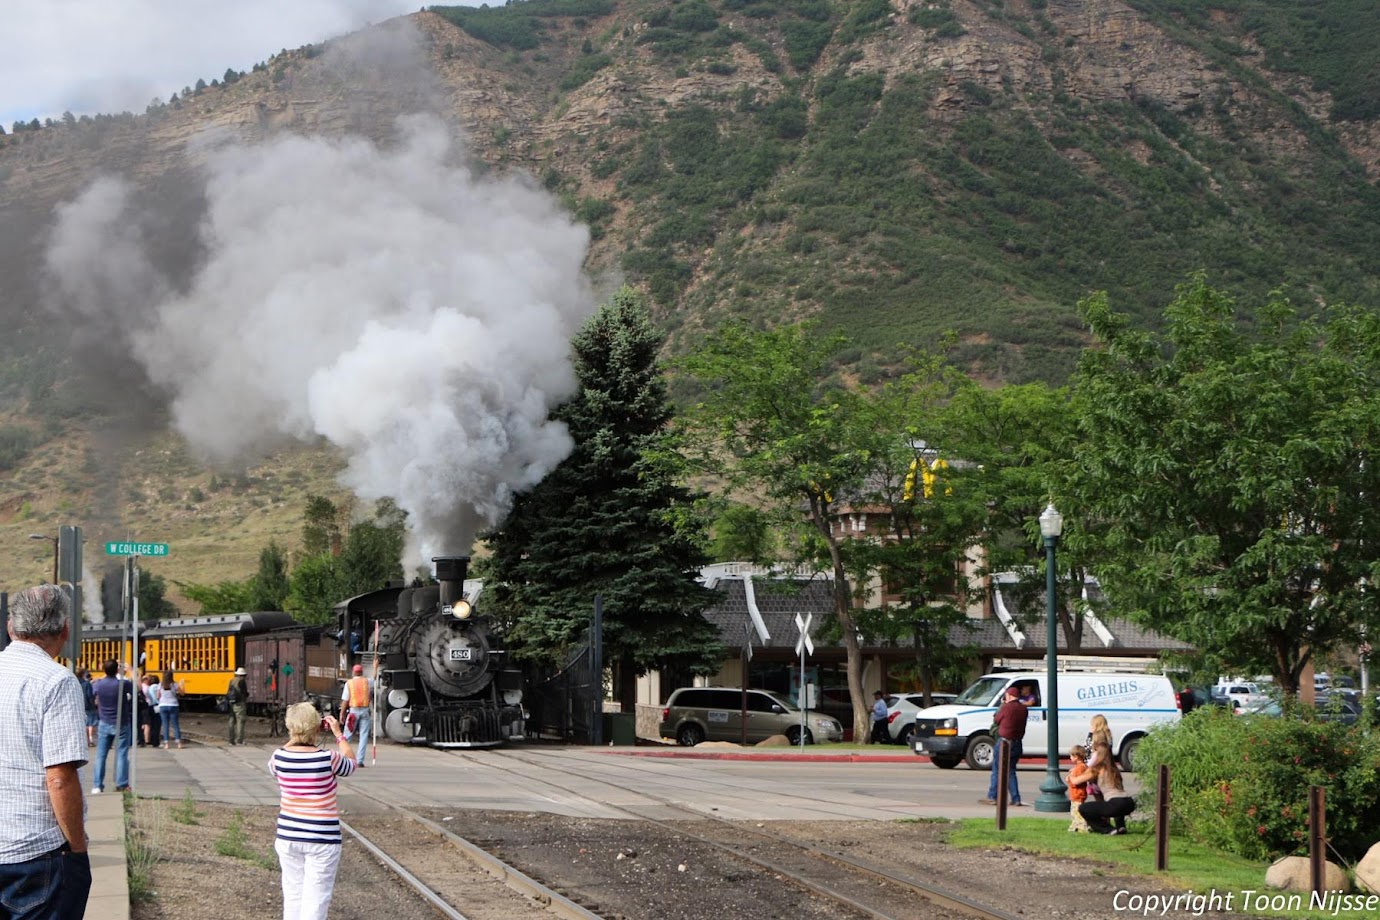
x=1132, y=703
x=695, y=714
x=901, y=710
x=1246, y=693
x=1340, y=709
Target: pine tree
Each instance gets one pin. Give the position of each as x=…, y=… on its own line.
x=609, y=520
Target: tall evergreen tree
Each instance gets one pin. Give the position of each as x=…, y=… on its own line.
x=609, y=520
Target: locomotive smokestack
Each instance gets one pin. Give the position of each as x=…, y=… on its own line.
x=450, y=572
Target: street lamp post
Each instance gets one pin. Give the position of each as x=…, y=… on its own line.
x=1052, y=795
x=44, y=536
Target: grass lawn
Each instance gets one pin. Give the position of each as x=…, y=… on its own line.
x=1191, y=865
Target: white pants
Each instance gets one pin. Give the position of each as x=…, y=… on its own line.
x=308, y=877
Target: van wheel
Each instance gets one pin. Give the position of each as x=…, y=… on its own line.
x=793, y=735
x=945, y=762
x=1128, y=754
x=981, y=750
x=904, y=736
x=690, y=735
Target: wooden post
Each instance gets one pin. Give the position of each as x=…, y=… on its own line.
x=1317, y=837
x=1004, y=767
x=1162, y=820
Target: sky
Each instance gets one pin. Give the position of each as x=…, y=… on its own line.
x=93, y=56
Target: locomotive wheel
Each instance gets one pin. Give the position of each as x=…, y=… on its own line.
x=690, y=735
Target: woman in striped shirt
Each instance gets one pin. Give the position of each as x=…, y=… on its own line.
x=308, y=841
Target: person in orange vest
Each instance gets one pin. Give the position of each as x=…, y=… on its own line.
x=355, y=700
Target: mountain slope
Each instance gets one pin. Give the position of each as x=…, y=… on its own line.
x=899, y=170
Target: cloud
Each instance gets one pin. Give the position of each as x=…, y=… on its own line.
x=411, y=312
x=90, y=56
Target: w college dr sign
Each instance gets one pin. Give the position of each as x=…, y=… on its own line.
x=136, y=549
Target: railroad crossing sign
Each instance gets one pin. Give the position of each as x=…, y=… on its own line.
x=136, y=549
x=804, y=643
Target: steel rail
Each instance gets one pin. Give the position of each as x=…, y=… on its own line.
x=415, y=883
x=932, y=893
x=549, y=900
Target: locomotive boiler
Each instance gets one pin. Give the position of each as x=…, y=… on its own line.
x=443, y=677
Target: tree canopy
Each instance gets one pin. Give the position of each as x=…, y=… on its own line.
x=1232, y=466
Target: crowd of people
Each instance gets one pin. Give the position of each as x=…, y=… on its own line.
x=50, y=718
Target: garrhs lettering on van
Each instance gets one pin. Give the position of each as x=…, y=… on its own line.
x=1133, y=704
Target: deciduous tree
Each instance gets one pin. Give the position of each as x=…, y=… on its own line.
x=1234, y=466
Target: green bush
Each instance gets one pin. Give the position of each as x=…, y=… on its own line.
x=1241, y=783
x=15, y=443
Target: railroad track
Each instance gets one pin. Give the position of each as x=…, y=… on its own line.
x=792, y=859
x=533, y=897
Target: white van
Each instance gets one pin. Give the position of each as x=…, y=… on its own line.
x=962, y=730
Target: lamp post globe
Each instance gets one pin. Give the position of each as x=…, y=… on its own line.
x=1053, y=797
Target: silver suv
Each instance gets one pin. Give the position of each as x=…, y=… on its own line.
x=695, y=714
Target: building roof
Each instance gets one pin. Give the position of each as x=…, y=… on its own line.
x=779, y=598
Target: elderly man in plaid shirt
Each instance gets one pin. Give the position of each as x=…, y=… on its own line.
x=45, y=873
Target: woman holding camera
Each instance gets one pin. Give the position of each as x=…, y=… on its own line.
x=308, y=843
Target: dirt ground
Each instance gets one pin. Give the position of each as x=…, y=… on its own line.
x=626, y=870
x=219, y=860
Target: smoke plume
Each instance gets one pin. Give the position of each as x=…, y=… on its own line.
x=386, y=299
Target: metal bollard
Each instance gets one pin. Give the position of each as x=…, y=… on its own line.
x=1004, y=766
x=1317, y=837
x=1162, y=820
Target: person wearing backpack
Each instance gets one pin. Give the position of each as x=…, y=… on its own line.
x=237, y=698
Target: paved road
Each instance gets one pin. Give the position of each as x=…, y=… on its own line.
x=521, y=778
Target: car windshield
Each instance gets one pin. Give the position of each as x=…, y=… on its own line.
x=1266, y=708
x=982, y=693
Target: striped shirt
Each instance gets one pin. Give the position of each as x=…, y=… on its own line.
x=307, y=810
x=42, y=724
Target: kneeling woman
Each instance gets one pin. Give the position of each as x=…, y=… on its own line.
x=308, y=841
x=1117, y=803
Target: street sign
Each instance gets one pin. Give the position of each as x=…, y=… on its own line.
x=136, y=549
x=804, y=641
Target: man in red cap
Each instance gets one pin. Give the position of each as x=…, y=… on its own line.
x=355, y=701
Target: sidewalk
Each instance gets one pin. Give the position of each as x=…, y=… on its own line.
x=105, y=831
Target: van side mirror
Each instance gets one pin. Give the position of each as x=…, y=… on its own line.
x=778, y=708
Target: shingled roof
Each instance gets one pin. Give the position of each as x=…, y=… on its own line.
x=780, y=598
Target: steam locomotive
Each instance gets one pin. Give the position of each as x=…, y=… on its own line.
x=443, y=676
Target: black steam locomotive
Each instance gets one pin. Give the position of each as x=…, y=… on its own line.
x=443, y=677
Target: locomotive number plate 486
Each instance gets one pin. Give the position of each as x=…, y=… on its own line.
x=459, y=654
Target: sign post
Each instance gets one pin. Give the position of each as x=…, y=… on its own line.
x=803, y=645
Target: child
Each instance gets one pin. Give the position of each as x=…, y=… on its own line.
x=1100, y=735
x=1078, y=788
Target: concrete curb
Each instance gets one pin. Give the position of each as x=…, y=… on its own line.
x=105, y=832
x=776, y=754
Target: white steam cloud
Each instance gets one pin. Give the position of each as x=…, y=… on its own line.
x=413, y=314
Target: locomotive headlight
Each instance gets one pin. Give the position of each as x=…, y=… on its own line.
x=461, y=610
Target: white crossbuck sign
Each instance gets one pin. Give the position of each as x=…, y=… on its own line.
x=804, y=641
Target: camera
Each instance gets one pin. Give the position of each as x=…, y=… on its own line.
x=325, y=725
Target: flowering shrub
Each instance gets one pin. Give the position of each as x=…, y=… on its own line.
x=1241, y=783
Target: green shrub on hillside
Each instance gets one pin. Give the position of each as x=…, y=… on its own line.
x=15, y=443
x=1334, y=42
x=517, y=25
x=1241, y=783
